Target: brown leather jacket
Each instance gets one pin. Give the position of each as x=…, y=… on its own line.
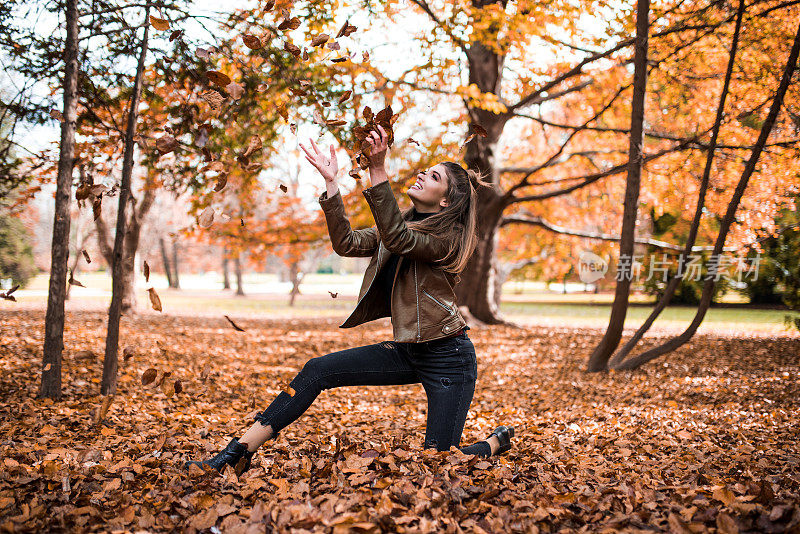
x=423, y=303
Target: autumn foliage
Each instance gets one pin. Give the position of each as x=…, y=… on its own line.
x=703, y=441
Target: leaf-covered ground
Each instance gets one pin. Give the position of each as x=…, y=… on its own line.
x=703, y=440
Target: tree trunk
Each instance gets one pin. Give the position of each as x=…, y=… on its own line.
x=730, y=213
x=50, y=386
x=672, y=285
x=237, y=266
x=598, y=361
x=108, y=385
x=165, y=260
x=175, y=278
x=296, y=277
x=226, y=275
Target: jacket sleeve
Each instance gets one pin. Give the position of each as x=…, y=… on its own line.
x=346, y=241
x=395, y=234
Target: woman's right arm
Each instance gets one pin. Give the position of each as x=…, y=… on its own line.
x=345, y=241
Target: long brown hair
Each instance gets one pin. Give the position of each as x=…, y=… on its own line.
x=456, y=223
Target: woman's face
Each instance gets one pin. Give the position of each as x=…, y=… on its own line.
x=428, y=192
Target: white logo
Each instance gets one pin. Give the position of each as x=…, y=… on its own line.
x=591, y=267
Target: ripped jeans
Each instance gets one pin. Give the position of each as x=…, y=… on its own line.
x=447, y=369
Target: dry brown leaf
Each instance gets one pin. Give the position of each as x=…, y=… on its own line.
x=320, y=39
x=218, y=78
x=235, y=90
x=154, y=300
x=252, y=42
x=206, y=218
x=149, y=376
x=159, y=24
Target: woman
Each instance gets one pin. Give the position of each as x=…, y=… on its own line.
x=416, y=256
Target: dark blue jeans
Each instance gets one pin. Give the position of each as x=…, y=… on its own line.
x=447, y=369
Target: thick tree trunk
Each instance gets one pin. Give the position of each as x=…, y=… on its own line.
x=237, y=266
x=730, y=213
x=54, y=319
x=108, y=385
x=598, y=361
x=165, y=260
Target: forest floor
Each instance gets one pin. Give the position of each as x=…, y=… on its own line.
x=703, y=439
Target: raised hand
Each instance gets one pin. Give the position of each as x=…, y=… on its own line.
x=378, y=144
x=327, y=167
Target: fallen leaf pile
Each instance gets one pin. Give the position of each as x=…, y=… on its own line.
x=705, y=439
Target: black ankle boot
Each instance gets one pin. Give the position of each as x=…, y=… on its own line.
x=504, y=435
x=235, y=454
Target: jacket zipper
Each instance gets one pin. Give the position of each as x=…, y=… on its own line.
x=416, y=294
x=437, y=301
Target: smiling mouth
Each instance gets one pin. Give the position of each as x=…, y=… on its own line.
x=415, y=186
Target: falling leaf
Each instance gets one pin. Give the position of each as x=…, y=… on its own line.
x=56, y=114
x=333, y=294
x=202, y=53
x=365, y=56
x=159, y=24
x=288, y=389
x=470, y=138
x=294, y=49
x=222, y=181
x=73, y=281
x=218, y=78
x=339, y=59
x=175, y=34
x=333, y=45
x=154, y=300
x=345, y=96
x=235, y=90
x=234, y=325
x=289, y=24
x=283, y=188
x=206, y=218
x=252, y=42
x=283, y=112
x=293, y=128
x=178, y=386
x=86, y=256
x=410, y=140
x=127, y=353
x=320, y=39
x=253, y=145
x=214, y=166
x=47, y=367
x=166, y=144
x=149, y=376
x=346, y=29
x=214, y=98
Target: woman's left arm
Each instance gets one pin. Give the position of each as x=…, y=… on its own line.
x=395, y=234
